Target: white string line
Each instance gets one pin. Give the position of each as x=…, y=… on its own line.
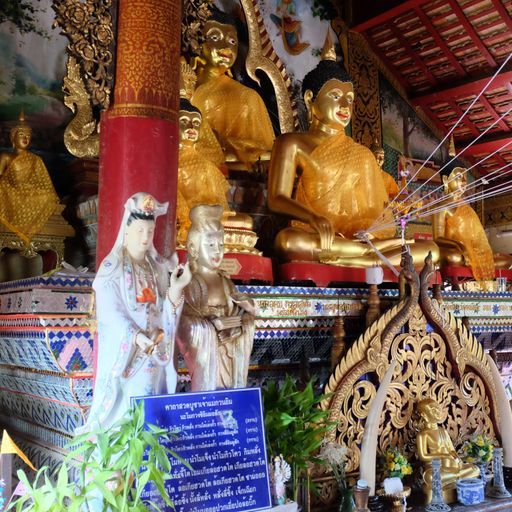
x=404, y=207
x=452, y=129
x=473, y=185
x=464, y=200
x=414, y=192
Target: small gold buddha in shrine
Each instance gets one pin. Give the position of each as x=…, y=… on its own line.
x=236, y=113
x=340, y=191
x=433, y=442
x=459, y=232
x=390, y=184
x=215, y=334
x=200, y=181
x=28, y=198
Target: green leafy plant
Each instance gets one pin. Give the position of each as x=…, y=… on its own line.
x=116, y=465
x=295, y=426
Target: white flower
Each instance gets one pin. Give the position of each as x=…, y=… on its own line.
x=333, y=453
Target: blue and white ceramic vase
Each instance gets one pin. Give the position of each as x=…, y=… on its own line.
x=470, y=491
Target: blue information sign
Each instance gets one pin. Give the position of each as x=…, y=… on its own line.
x=221, y=435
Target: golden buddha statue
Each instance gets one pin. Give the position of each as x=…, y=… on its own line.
x=389, y=182
x=460, y=235
x=200, y=181
x=26, y=189
x=236, y=113
x=215, y=334
x=433, y=442
x=340, y=191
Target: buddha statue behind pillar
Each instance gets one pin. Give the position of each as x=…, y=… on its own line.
x=433, y=442
x=390, y=184
x=28, y=198
x=200, y=181
x=460, y=235
x=340, y=188
x=236, y=113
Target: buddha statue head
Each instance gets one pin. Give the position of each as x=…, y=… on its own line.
x=455, y=183
x=328, y=92
x=205, y=240
x=220, y=40
x=21, y=133
x=378, y=152
x=190, y=120
x=429, y=410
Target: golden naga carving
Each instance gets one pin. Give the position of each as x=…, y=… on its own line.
x=88, y=26
x=444, y=362
x=81, y=136
x=258, y=58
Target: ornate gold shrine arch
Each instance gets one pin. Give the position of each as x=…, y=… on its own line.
x=437, y=357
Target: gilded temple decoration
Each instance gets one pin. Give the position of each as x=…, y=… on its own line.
x=81, y=136
x=194, y=14
x=437, y=358
x=89, y=27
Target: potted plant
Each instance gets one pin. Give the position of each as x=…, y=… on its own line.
x=116, y=464
x=295, y=426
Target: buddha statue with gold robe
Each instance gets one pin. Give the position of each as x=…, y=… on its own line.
x=28, y=198
x=200, y=181
x=433, y=442
x=340, y=190
x=459, y=232
x=235, y=112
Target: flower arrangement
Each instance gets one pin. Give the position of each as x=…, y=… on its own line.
x=478, y=449
x=396, y=464
x=335, y=455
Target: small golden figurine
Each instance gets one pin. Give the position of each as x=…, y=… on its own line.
x=433, y=442
x=235, y=112
x=390, y=184
x=459, y=233
x=340, y=191
x=26, y=189
x=216, y=330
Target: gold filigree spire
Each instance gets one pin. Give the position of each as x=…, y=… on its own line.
x=188, y=79
x=22, y=122
x=328, y=51
x=376, y=146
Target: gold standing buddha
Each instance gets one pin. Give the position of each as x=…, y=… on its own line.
x=340, y=191
x=26, y=189
x=236, y=113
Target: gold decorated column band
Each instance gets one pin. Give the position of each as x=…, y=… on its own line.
x=147, y=51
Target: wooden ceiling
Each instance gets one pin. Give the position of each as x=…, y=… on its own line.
x=443, y=53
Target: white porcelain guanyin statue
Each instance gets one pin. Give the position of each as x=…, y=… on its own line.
x=139, y=298
x=280, y=473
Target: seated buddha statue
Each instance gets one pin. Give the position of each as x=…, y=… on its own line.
x=459, y=232
x=236, y=113
x=200, y=181
x=340, y=189
x=26, y=189
x=216, y=330
x=433, y=442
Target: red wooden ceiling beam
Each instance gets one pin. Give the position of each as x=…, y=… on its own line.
x=486, y=146
x=437, y=38
x=389, y=15
x=413, y=54
x=472, y=87
x=502, y=124
x=472, y=32
x=504, y=15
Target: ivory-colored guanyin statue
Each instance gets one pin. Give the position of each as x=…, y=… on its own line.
x=460, y=235
x=28, y=198
x=433, y=442
x=200, y=181
x=236, y=113
x=139, y=300
x=215, y=334
x=340, y=191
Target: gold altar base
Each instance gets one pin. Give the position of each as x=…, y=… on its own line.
x=50, y=238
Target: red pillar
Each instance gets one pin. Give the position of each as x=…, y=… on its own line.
x=139, y=134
